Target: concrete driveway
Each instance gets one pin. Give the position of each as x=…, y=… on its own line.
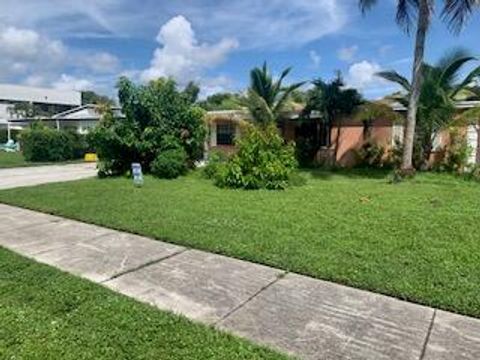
x=36, y=175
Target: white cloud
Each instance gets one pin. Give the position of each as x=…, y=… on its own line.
x=256, y=24
x=101, y=62
x=315, y=58
x=361, y=75
x=181, y=56
x=68, y=82
x=347, y=53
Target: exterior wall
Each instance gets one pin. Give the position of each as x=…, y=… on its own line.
x=352, y=137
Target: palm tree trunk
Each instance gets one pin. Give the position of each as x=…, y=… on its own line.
x=417, y=82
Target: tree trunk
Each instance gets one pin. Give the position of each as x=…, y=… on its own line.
x=417, y=82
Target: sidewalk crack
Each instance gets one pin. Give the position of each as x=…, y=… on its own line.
x=153, y=262
x=241, y=305
x=429, y=332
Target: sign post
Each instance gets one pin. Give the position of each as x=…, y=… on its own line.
x=137, y=174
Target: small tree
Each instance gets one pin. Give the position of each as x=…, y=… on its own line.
x=436, y=106
x=455, y=13
x=267, y=98
x=332, y=100
x=158, y=117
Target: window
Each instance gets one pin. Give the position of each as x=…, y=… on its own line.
x=225, y=133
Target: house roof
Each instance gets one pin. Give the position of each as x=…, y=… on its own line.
x=87, y=112
x=460, y=105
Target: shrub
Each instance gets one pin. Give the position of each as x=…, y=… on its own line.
x=456, y=153
x=216, y=159
x=40, y=143
x=156, y=115
x=170, y=164
x=4, y=135
x=473, y=173
x=371, y=155
x=306, y=151
x=263, y=160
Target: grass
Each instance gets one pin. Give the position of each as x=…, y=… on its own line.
x=418, y=240
x=47, y=314
x=16, y=159
x=12, y=159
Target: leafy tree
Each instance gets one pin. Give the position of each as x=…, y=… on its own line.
x=191, y=92
x=332, y=100
x=91, y=97
x=455, y=13
x=440, y=87
x=267, y=98
x=158, y=117
x=223, y=101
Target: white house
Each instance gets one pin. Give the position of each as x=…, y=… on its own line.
x=81, y=119
x=50, y=100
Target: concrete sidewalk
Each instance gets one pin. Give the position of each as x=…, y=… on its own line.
x=309, y=318
x=36, y=175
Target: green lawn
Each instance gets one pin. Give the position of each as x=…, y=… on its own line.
x=419, y=240
x=12, y=159
x=47, y=314
x=16, y=159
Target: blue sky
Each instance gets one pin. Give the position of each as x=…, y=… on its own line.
x=88, y=44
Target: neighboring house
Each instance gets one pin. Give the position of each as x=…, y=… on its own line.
x=81, y=119
x=225, y=126
x=46, y=100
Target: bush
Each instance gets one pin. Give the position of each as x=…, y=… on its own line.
x=263, y=161
x=371, y=155
x=42, y=144
x=473, y=173
x=457, y=152
x=170, y=164
x=157, y=115
x=216, y=159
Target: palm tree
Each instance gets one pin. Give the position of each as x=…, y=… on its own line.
x=455, y=13
x=436, y=104
x=267, y=98
x=332, y=100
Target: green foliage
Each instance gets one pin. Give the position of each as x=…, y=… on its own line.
x=91, y=97
x=436, y=106
x=263, y=161
x=267, y=98
x=191, y=92
x=333, y=101
x=457, y=152
x=40, y=144
x=305, y=150
x=216, y=159
x=371, y=155
x=170, y=163
x=154, y=115
x=223, y=101
x=473, y=173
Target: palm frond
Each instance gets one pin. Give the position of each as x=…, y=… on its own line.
x=282, y=100
x=366, y=5
x=395, y=77
x=451, y=64
x=406, y=12
x=457, y=12
x=474, y=74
